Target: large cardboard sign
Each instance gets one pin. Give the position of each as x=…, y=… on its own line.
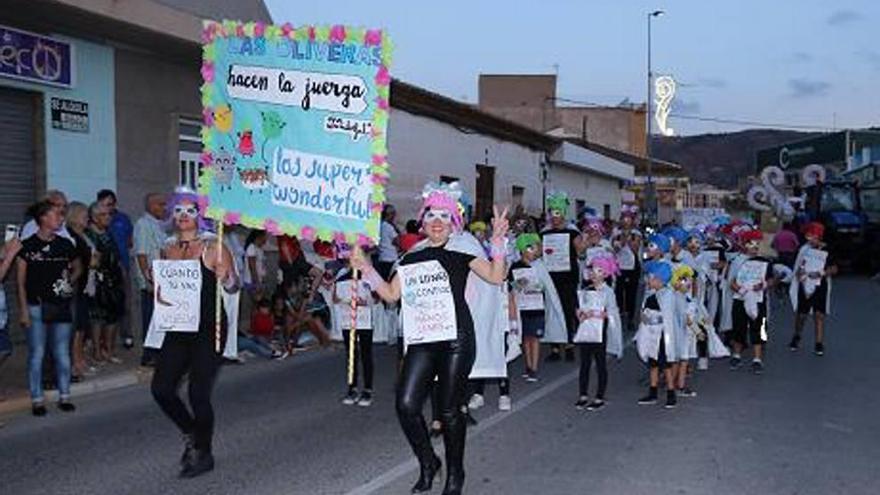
x=294, y=132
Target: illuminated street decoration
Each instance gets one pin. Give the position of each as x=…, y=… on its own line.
x=664, y=92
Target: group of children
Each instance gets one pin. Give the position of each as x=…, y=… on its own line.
x=704, y=296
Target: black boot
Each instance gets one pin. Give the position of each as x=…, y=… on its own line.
x=428, y=471
x=187, y=448
x=199, y=462
x=454, y=483
x=454, y=434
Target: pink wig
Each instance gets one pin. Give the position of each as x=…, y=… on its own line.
x=444, y=197
x=608, y=265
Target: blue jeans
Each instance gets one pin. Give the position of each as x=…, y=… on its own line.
x=255, y=345
x=58, y=337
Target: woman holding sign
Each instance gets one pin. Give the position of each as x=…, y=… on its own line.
x=186, y=286
x=438, y=328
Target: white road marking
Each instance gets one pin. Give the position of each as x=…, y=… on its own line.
x=403, y=468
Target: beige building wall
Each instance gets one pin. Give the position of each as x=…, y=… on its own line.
x=622, y=129
x=530, y=100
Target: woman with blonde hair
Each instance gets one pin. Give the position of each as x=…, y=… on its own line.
x=77, y=222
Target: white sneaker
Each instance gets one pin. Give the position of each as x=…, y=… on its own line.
x=703, y=364
x=504, y=403
x=476, y=402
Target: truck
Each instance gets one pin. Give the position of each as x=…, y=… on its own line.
x=836, y=203
x=866, y=180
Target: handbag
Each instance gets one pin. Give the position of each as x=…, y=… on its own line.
x=56, y=311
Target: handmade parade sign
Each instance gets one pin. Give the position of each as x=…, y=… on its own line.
x=427, y=309
x=177, y=295
x=626, y=259
x=557, y=256
x=294, y=134
x=364, y=320
x=813, y=262
x=590, y=330
x=750, y=274
x=706, y=259
x=528, y=291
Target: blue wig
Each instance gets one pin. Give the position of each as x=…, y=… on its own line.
x=678, y=234
x=660, y=270
x=661, y=241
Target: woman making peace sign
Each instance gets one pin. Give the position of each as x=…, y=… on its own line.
x=438, y=329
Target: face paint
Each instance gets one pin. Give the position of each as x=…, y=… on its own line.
x=752, y=245
x=443, y=215
x=188, y=211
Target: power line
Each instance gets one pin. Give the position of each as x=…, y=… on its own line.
x=717, y=120
x=721, y=120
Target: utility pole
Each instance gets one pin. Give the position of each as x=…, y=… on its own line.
x=650, y=196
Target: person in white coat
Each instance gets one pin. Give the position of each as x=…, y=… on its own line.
x=750, y=280
x=599, y=332
x=810, y=289
x=688, y=334
x=655, y=339
x=531, y=301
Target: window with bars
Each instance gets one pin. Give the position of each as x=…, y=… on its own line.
x=189, y=151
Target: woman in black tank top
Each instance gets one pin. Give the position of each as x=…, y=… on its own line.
x=194, y=354
x=448, y=360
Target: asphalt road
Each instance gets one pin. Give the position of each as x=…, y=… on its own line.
x=807, y=426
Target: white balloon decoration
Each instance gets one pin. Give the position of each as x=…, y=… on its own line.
x=767, y=197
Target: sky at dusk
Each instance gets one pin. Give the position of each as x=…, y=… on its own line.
x=810, y=63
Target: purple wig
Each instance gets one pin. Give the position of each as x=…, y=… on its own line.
x=186, y=195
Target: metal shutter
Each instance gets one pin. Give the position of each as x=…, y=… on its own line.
x=17, y=167
x=17, y=172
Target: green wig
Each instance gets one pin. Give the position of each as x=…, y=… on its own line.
x=524, y=241
x=558, y=201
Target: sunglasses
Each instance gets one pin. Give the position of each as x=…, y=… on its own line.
x=190, y=211
x=442, y=215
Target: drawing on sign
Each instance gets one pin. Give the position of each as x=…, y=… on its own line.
x=301, y=114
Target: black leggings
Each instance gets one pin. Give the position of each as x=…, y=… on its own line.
x=193, y=354
x=451, y=363
x=363, y=352
x=590, y=352
x=479, y=385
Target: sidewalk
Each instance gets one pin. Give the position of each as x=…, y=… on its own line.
x=13, y=379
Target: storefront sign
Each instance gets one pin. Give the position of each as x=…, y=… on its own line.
x=70, y=115
x=34, y=58
x=295, y=128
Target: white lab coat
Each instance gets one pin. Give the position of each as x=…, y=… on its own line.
x=648, y=336
x=796, y=282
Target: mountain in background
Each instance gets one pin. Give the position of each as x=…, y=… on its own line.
x=721, y=159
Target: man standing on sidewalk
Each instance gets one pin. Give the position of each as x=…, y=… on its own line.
x=149, y=238
x=121, y=231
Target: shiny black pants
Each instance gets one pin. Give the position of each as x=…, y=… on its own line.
x=450, y=363
x=192, y=355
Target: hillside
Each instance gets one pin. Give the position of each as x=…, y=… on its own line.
x=721, y=159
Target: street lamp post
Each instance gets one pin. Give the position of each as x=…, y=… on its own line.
x=650, y=200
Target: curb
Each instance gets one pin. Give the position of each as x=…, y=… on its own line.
x=84, y=389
